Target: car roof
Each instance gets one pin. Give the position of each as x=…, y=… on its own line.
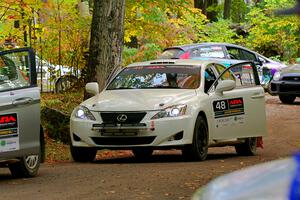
x=175, y=62
x=191, y=46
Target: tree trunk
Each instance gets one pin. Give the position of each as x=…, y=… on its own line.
x=203, y=5
x=198, y=4
x=227, y=5
x=107, y=33
x=212, y=15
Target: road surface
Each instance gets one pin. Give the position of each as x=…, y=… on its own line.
x=165, y=176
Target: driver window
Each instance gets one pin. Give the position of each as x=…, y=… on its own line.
x=242, y=74
x=210, y=78
x=14, y=71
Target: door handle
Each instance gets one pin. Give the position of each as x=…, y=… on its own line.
x=258, y=96
x=22, y=101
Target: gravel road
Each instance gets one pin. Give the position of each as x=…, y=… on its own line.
x=165, y=176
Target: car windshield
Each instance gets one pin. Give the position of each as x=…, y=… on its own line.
x=149, y=77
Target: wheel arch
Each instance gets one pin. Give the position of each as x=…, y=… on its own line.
x=201, y=113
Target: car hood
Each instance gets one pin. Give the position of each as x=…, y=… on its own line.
x=293, y=69
x=274, y=65
x=138, y=99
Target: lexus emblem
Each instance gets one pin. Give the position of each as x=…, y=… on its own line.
x=122, y=118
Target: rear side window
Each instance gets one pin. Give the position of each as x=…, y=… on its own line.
x=248, y=55
x=171, y=53
x=14, y=70
x=208, y=52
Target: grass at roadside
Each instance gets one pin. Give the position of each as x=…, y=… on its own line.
x=64, y=102
x=57, y=151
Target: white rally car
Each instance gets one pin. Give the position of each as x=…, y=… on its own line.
x=167, y=104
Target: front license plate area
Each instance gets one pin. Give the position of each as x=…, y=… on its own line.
x=119, y=132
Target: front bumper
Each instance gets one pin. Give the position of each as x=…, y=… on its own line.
x=160, y=133
x=285, y=88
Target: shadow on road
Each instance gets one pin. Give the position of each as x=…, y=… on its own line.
x=161, y=158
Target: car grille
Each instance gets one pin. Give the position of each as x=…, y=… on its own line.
x=123, y=140
x=122, y=117
x=289, y=88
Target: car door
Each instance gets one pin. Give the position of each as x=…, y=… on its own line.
x=19, y=104
x=240, y=112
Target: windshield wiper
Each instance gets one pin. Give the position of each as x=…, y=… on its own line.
x=119, y=88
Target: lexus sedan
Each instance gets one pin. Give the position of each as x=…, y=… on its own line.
x=172, y=104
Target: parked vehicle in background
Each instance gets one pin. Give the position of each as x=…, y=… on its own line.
x=226, y=54
x=21, y=135
x=55, y=78
x=165, y=104
x=286, y=84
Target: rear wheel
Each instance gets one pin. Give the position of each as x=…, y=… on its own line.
x=247, y=148
x=142, y=153
x=83, y=154
x=26, y=168
x=199, y=148
x=287, y=99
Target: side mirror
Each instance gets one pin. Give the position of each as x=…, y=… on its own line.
x=225, y=85
x=92, y=88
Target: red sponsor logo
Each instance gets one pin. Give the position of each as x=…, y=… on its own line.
x=7, y=119
x=235, y=102
x=185, y=56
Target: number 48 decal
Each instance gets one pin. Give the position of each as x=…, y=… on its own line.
x=221, y=105
x=228, y=107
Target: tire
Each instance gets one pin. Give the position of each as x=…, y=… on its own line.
x=199, y=148
x=287, y=99
x=142, y=153
x=65, y=83
x=247, y=148
x=26, y=168
x=83, y=154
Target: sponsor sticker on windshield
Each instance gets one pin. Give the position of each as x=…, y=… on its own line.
x=9, y=132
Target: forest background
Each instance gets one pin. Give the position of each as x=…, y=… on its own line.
x=59, y=30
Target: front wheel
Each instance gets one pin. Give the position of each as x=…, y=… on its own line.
x=83, y=154
x=199, y=148
x=287, y=99
x=27, y=167
x=247, y=148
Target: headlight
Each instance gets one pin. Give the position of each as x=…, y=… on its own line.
x=276, y=76
x=82, y=112
x=172, y=111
